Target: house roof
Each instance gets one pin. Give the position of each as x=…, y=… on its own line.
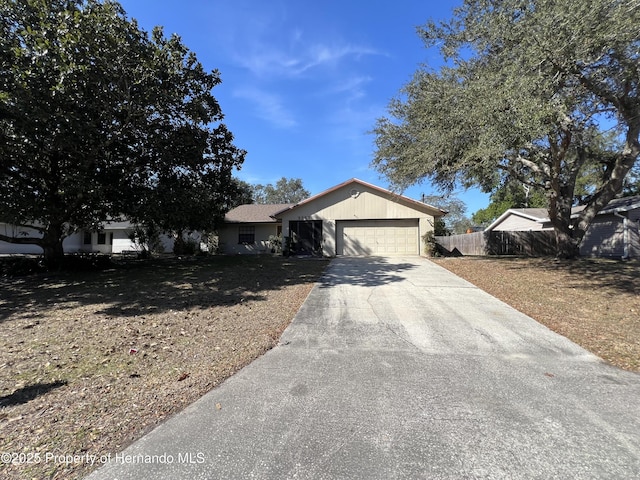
x=431, y=210
x=255, y=213
x=533, y=214
x=622, y=204
x=542, y=215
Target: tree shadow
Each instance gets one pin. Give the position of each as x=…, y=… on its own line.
x=596, y=273
x=155, y=286
x=28, y=393
x=363, y=271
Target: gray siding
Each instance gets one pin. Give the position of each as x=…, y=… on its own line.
x=604, y=238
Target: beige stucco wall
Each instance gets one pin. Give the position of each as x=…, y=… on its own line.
x=367, y=204
x=228, y=238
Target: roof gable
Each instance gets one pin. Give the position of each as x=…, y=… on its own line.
x=532, y=214
x=355, y=183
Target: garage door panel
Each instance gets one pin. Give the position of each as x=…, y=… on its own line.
x=377, y=237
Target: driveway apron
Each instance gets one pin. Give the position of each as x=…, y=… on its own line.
x=395, y=368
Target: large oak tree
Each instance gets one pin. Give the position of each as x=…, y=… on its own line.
x=526, y=92
x=285, y=190
x=100, y=119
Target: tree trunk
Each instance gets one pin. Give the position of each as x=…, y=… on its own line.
x=179, y=244
x=568, y=247
x=51, y=243
x=567, y=238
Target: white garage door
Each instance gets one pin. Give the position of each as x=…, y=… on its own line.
x=378, y=237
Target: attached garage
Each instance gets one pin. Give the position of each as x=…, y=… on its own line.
x=357, y=218
x=378, y=237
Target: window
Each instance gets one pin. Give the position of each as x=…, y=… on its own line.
x=102, y=238
x=87, y=238
x=247, y=235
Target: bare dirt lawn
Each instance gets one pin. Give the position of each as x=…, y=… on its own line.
x=91, y=361
x=593, y=302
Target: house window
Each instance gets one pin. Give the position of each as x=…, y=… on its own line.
x=87, y=238
x=247, y=235
x=102, y=238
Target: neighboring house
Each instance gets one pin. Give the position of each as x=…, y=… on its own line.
x=248, y=228
x=613, y=233
x=112, y=238
x=353, y=218
x=522, y=220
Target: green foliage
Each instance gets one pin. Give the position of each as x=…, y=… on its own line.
x=99, y=119
x=632, y=182
x=454, y=221
x=147, y=237
x=511, y=194
x=527, y=88
x=275, y=243
x=430, y=244
x=20, y=266
x=284, y=191
x=185, y=246
x=242, y=193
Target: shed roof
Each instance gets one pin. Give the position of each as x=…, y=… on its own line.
x=255, y=213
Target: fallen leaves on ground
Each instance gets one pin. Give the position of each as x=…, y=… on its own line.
x=593, y=302
x=91, y=361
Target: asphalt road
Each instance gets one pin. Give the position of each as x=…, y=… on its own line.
x=395, y=368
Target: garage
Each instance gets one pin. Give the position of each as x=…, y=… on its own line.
x=377, y=237
x=357, y=218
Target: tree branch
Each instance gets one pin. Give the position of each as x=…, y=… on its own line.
x=21, y=241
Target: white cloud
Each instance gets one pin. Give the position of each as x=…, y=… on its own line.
x=354, y=87
x=268, y=106
x=264, y=60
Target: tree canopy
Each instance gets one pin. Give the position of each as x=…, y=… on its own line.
x=510, y=194
x=101, y=120
x=284, y=191
x=527, y=91
x=455, y=221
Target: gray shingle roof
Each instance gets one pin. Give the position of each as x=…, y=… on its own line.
x=255, y=213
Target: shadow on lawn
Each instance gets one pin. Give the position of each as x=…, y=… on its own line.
x=157, y=285
x=28, y=393
x=594, y=273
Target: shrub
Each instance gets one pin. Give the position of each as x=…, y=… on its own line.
x=430, y=245
x=20, y=266
x=275, y=243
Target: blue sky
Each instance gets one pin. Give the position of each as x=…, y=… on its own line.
x=304, y=82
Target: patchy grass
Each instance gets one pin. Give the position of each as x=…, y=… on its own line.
x=91, y=361
x=593, y=302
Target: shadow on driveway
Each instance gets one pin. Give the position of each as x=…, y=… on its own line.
x=364, y=271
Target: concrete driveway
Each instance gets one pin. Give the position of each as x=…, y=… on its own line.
x=395, y=368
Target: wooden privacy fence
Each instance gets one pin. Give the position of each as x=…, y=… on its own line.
x=538, y=243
